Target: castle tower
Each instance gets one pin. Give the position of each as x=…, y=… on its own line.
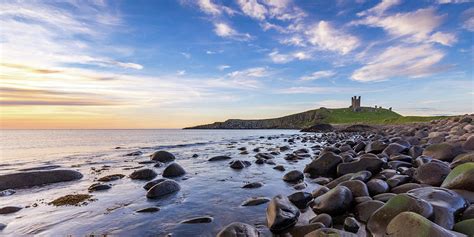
x=355, y=103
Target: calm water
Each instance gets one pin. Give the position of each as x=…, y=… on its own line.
x=208, y=188
x=21, y=145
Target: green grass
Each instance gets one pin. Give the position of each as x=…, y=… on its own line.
x=372, y=116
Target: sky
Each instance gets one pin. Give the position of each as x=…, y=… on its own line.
x=178, y=63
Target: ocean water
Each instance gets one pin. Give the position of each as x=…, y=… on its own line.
x=208, y=188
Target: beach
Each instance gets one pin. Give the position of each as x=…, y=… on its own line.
x=227, y=176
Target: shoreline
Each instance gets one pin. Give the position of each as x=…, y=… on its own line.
x=310, y=176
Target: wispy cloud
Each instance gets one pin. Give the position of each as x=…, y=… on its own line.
x=326, y=37
x=400, y=61
x=318, y=75
x=226, y=31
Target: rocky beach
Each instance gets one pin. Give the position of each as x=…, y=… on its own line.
x=391, y=180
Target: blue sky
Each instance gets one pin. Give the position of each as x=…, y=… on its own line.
x=175, y=63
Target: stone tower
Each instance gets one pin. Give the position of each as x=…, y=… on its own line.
x=355, y=103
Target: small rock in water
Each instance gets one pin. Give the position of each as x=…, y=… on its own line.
x=9, y=210
x=238, y=229
x=293, y=176
x=153, y=183
x=329, y=232
x=279, y=167
x=112, y=177
x=253, y=185
x=162, y=189
x=198, y=220
x=301, y=199
x=219, y=158
x=255, y=201
x=173, y=170
x=135, y=153
x=98, y=187
x=281, y=214
x=143, y=174
x=7, y=192
x=239, y=164
x=72, y=199
x=148, y=210
x=162, y=156
x=36, y=178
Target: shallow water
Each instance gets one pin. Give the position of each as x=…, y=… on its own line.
x=208, y=188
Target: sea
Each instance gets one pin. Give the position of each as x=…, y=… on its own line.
x=210, y=189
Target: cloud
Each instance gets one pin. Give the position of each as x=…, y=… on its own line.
x=380, y=8
x=224, y=30
x=326, y=37
x=181, y=72
x=222, y=67
x=186, y=55
x=400, y=61
x=468, y=24
x=251, y=72
x=253, y=9
x=318, y=75
x=333, y=103
x=452, y=1
x=277, y=57
x=209, y=7
x=58, y=34
x=402, y=25
x=311, y=90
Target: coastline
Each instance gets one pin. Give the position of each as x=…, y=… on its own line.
x=295, y=171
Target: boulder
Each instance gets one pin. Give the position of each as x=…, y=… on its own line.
x=432, y=173
x=330, y=232
x=461, y=159
x=239, y=164
x=377, y=186
x=413, y=224
x=219, y=158
x=238, y=229
x=336, y=201
x=36, y=178
x=466, y=227
x=198, y=220
x=143, y=174
x=324, y=165
x=162, y=189
x=153, y=183
x=375, y=147
x=98, y=187
x=173, y=170
x=365, y=210
x=253, y=185
x=255, y=201
x=293, y=176
x=351, y=225
x=378, y=222
x=301, y=199
x=442, y=151
x=357, y=187
x=322, y=218
x=9, y=210
x=281, y=214
x=111, y=177
x=446, y=204
x=162, y=156
x=374, y=165
x=461, y=177
x=469, y=143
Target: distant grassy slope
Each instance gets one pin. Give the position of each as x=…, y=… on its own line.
x=309, y=118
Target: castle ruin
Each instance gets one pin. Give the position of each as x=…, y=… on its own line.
x=355, y=103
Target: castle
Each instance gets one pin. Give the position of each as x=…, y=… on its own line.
x=355, y=103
